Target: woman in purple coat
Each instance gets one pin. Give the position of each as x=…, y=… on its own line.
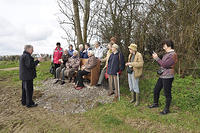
x=167, y=64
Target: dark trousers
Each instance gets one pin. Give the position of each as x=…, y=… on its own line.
x=27, y=92
x=167, y=85
x=79, y=78
x=56, y=66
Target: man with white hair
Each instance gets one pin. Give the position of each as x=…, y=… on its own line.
x=27, y=72
x=98, y=51
x=81, y=49
x=85, y=70
x=72, y=66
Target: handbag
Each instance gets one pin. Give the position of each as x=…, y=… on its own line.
x=106, y=74
x=52, y=69
x=129, y=70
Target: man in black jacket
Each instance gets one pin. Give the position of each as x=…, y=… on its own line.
x=27, y=72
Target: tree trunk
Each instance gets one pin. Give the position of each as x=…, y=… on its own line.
x=86, y=19
x=77, y=22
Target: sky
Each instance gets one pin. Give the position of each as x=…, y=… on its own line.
x=29, y=22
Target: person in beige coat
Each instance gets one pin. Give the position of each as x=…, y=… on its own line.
x=72, y=65
x=85, y=70
x=135, y=68
x=103, y=71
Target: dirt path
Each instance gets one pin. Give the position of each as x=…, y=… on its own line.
x=15, y=118
x=9, y=69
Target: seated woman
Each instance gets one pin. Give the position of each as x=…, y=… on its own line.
x=72, y=66
x=62, y=68
x=85, y=70
x=85, y=52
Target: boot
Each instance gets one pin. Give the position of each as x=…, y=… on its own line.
x=154, y=105
x=62, y=83
x=133, y=97
x=56, y=81
x=137, y=99
x=165, y=111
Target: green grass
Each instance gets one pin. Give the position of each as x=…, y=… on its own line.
x=42, y=72
x=124, y=117
x=8, y=64
x=185, y=107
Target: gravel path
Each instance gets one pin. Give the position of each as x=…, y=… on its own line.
x=9, y=69
x=65, y=99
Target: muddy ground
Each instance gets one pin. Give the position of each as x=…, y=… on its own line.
x=54, y=101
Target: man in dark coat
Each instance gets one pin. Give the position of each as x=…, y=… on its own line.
x=27, y=72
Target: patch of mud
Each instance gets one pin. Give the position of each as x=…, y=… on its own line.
x=65, y=99
x=10, y=69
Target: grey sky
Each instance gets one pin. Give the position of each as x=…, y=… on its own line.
x=29, y=22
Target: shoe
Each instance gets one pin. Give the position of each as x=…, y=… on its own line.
x=62, y=83
x=111, y=93
x=97, y=85
x=23, y=104
x=56, y=82
x=78, y=88
x=33, y=105
x=155, y=105
x=164, y=112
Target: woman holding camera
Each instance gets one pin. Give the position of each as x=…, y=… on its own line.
x=166, y=72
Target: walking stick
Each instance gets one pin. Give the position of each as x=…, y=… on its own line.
x=118, y=86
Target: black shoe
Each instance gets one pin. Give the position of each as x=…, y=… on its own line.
x=56, y=82
x=23, y=104
x=62, y=83
x=33, y=105
x=164, y=112
x=111, y=93
x=97, y=85
x=155, y=105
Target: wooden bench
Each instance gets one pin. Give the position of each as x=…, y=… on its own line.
x=94, y=75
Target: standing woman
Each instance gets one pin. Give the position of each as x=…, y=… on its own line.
x=135, y=67
x=116, y=65
x=166, y=72
x=57, y=55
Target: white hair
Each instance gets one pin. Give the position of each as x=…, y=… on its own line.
x=26, y=47
x=75, y=52
x=91, y=52
x=81, y=45
x=97, y=42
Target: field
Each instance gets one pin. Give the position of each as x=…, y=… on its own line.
x=120, y=117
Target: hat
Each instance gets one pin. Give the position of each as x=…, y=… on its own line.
x=133, y=47
x=115, y=46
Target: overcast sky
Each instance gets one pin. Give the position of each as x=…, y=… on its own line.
x=29, y=22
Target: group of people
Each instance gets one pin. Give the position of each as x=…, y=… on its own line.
x=67, y=64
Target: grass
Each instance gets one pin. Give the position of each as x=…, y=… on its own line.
x=8, y=64
x=123, y=117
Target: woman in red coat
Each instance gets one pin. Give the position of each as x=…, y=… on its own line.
x=57, y=55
